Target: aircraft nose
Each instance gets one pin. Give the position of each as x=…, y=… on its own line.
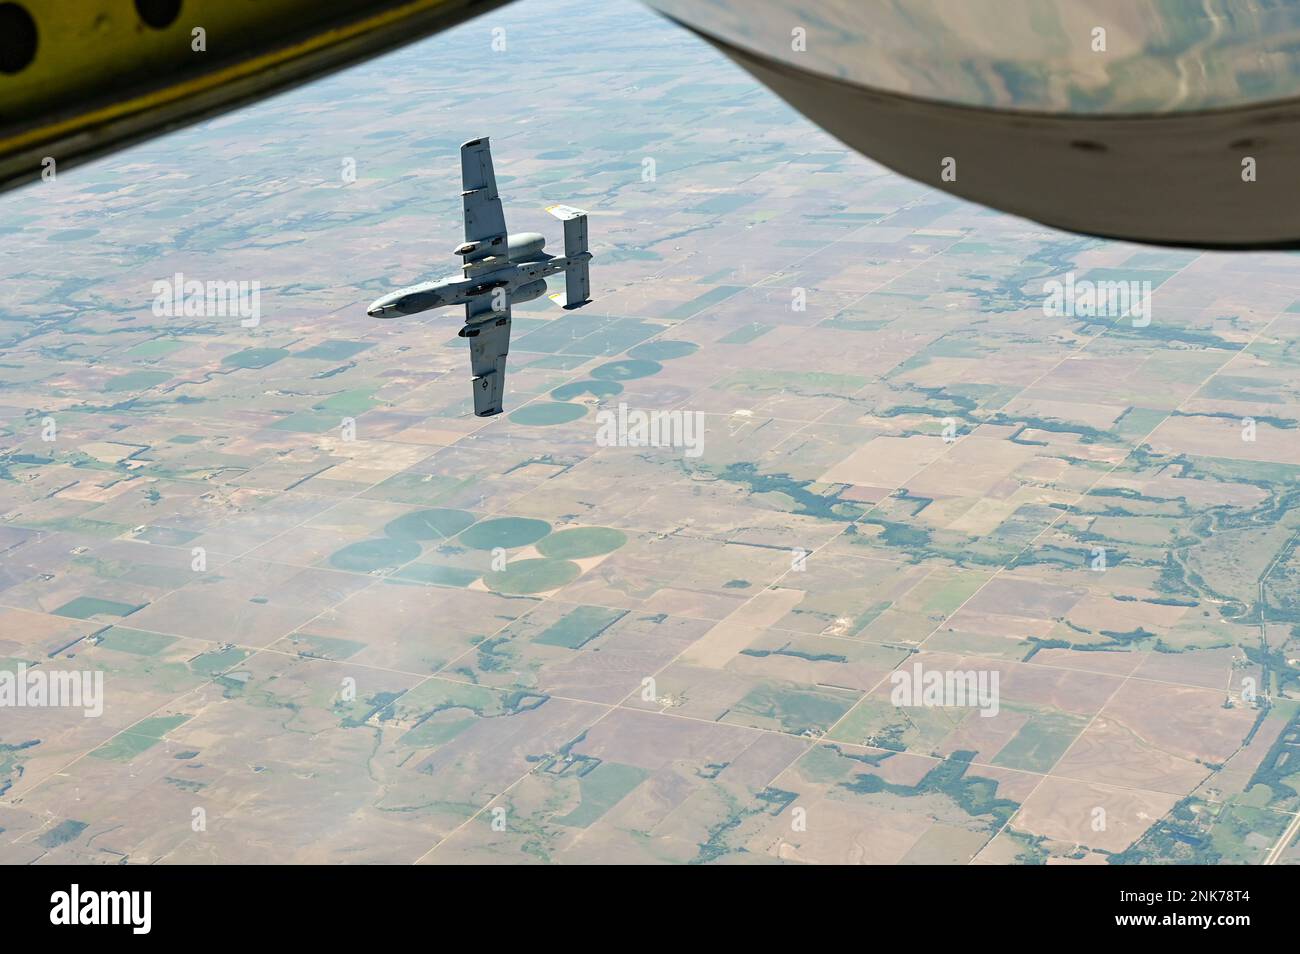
x=406, y=302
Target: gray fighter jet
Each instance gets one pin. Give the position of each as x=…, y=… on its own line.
x=499, y=269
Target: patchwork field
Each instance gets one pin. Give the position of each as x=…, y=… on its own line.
x=340, y=619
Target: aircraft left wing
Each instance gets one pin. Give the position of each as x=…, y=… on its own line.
x=485, y=223
x=488, y=331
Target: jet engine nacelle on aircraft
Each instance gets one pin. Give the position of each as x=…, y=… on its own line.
x=525, y=246
x=529, y=292
x=472, y=248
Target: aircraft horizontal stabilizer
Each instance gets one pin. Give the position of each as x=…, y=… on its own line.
x=577, y=277
x=577, y=287
x=575, y=227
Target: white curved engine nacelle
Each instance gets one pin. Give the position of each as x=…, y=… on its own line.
x=534, y=289
x=523, y=246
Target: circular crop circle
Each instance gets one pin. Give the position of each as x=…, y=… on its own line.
x=508, y=532
x=532, y=576
x=548, y=413
x=627, y=370
x=597, y=389
x=578, y=543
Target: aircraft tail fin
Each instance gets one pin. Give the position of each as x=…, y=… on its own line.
x=577, y=277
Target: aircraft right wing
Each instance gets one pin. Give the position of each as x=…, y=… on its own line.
x=485, y=223
x=488, y=331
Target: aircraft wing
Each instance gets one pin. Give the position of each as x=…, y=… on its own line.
x=87, y=77
x=484, y=220
x=488, y=331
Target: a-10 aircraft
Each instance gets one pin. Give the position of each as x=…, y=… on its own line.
x=500, y=268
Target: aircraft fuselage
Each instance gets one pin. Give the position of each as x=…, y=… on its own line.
x=480, y=278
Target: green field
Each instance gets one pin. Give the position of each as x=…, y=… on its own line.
x=140, y=737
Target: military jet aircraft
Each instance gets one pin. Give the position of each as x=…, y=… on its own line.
x=500, y=268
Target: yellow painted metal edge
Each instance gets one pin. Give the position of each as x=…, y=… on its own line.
x=83, y=135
